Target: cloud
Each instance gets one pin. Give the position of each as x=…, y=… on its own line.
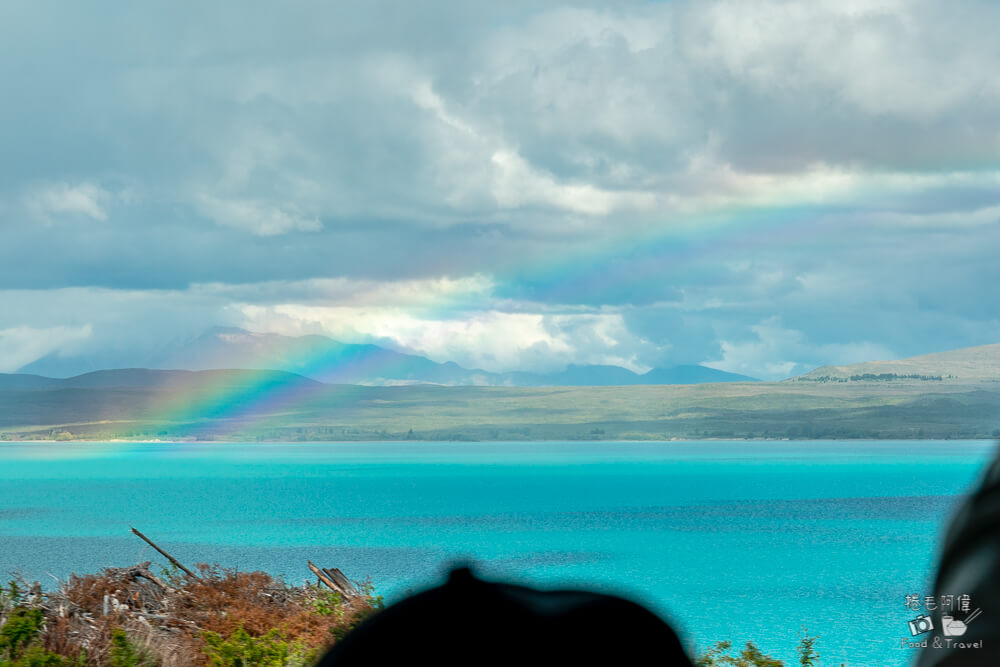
x=255, y=217
x=477, y=164
x=95, y=328
x=667, y=178
x=517, y=183
x=436, y=294
x=58, y=199
x=490, y=339
x=20, y=346
x=882, y=57
x=777, y=353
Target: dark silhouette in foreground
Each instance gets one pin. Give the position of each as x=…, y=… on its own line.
x=468, y=621
x=969, y=565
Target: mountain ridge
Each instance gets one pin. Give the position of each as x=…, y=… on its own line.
x=154, y=378
x=332, y=362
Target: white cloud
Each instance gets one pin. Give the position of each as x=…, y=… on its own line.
x=431, y=293
x=477, y=165
x=256, y=217
x=516, y=184
x=883, y=57
x=21, y=345
x=779, y=352
x=489, y=339
x=708, y=182
x=56, y=199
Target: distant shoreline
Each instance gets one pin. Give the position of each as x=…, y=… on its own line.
x=415, y=441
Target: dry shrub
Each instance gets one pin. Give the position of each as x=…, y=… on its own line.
x=166, y=621
x=224, y=600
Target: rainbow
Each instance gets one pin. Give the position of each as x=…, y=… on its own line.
x=227, y=404
x=618, y=268
x=223, y=403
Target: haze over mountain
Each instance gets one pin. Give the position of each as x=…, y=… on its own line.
x=147, y=378
x=333, y=362
x=970, y=364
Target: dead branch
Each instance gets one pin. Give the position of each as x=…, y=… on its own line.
x=173, y=561
x=335, y=581
x=342, y=581
x=322, y=577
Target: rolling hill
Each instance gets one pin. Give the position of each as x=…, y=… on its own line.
x=970, y=364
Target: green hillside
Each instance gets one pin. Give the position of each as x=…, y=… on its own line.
x=311, y=411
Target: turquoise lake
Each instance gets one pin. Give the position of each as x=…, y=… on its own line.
x=727, y=540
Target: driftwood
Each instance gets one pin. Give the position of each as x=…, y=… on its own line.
x=335, y=581
x=170, y=558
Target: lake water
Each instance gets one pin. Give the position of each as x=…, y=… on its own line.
x=728, y=540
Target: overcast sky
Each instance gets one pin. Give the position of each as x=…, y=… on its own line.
x=760, y=186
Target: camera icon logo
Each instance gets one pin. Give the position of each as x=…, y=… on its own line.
x=920, y=625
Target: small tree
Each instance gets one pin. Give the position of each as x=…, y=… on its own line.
x=808, y=656
x=21, y=629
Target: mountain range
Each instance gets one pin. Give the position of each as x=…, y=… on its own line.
x=148, y=378
x=329, y=361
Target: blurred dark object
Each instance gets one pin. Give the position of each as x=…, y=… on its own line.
x=468, y=621
x=970, y=565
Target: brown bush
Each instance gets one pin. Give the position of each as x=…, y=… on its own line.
x=165, y=619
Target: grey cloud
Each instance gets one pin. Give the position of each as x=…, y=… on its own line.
x=674, y=337
x=648, y=158
x=189, y=250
